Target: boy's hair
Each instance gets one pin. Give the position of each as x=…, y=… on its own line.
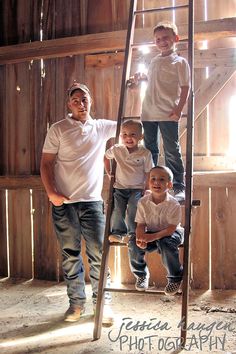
x=166, y=25
x=166, y=169
x=138, y=124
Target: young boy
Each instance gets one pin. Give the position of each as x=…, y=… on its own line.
x=166, y=94
x=133, y=162
x=158, y=220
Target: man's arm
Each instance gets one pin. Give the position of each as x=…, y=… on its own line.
x=107, y=165
x=47, y=176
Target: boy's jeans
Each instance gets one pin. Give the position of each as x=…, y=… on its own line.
x=71, y=221
x=170, y=136
x=167, y=247
x=124, y=210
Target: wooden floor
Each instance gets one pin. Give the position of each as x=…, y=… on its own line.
x=31, y=321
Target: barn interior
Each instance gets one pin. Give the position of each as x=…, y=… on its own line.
x=44, y=46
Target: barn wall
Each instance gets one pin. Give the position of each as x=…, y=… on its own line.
x=32, y=97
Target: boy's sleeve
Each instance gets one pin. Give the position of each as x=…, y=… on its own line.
x=174, y=215
x=109, y=154
x=184, y=73
x=148, y=165
x=140, y=216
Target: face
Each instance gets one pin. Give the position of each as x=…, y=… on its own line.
x=159, y=182
x=80, y=103
x=130, y=136
x=165, y=40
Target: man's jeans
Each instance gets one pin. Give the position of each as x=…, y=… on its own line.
x=124, y=210
x=170, y=136
x=168, y=249
x=71, y=221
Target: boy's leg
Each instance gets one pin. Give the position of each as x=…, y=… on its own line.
x=138, y=264
x=172, y=149
x=151, y=139
x=134, y=196
x=168, y=248
x=118, y=225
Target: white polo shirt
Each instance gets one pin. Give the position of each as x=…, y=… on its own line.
x=166, y=75
x=80, y=149
x=132, y=167
x=158, y=216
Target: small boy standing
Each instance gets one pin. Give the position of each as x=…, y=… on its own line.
x=158, y=220
x=133, y=163
x=168, y=82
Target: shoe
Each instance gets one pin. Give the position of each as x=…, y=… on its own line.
x=172, y=288
x=108, y=316
x=179, y=195
x=116, y=238
x=74, y=313
x=142, y=283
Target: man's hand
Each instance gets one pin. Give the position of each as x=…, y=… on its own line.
x=57, y=199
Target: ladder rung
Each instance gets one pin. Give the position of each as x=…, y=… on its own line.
x=133, y=291
x=139, y=12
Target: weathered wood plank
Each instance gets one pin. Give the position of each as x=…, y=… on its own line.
x=3, y=236
x=20, y=242
x=199, y=260
x=223, y=241
x=107, y=41
x=46, y=248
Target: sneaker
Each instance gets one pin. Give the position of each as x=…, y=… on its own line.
x=142, y=283
x=116, y=238
x=108, y=316
x=179, y=195
x=74, y=313
x=172, y=288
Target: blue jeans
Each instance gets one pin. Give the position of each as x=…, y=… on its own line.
x=170, y=136
x=167, y=247
x=71, y=221
x=124, y=210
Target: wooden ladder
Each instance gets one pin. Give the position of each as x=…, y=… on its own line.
x=189, y=203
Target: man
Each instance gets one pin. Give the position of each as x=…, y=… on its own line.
x=72, y=174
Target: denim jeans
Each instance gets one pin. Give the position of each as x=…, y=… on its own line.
x=167, y=247
x=71, y=221
x=170, y=136
x=124, y=210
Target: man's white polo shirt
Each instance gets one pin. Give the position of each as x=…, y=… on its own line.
x=80, y=149
x=158, y=216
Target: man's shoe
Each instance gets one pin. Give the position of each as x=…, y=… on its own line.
x=172, y=288
x=74, y=313
x=108, y=316
x=142, y=283
x=116, y=238
x=179, y=195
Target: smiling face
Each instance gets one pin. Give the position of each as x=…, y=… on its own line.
x=159, y=182
x=80, y=103
x=165, y=40
x=131, y=134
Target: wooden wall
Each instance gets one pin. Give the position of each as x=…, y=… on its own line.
x=32, y=97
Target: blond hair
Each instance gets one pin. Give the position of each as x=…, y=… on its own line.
x=166, y=25
x=137, y=123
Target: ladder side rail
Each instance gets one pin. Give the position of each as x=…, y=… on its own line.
x=106, y=245
x=189, y=177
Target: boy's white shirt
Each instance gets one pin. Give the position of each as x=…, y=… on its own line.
x=132, y=167
x=166, y=75
x=158, y=216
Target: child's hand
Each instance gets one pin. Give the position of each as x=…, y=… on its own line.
x=134, y=81
x=141, y=244
x=175, y=115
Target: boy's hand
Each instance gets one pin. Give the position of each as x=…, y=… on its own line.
x=134, y=81
x=175, y=115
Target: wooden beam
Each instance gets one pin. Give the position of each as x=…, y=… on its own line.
x=106, y=42
x=209, y=89
x=215, y=179
x=21, y=182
